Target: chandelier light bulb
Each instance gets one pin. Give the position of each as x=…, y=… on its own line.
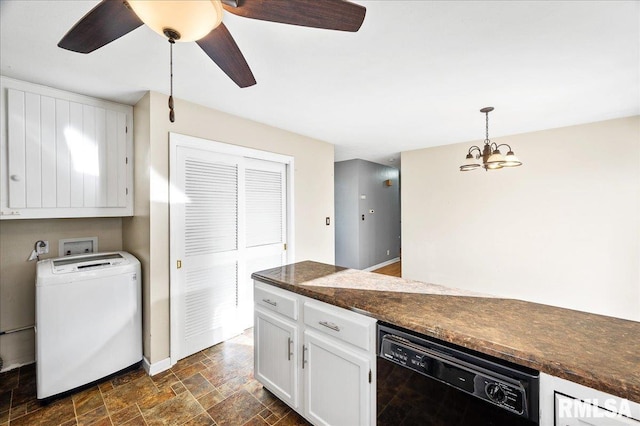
x=511, y=160
x=470, y=163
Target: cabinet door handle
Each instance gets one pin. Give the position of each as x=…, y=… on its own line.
x=271, y=302
x=329, y=325
x=289, y=341
x=304, y=361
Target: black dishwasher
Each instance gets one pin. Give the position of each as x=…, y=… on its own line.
x=422, y=381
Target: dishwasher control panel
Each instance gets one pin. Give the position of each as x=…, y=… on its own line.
x=497, y=384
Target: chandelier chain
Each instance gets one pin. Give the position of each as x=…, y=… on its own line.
x=486, y=139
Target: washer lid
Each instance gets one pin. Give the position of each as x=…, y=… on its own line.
x=80, y=263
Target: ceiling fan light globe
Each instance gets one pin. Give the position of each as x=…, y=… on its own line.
x=192, y=19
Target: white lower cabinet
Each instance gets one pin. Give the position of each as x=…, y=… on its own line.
x=570, y=411
x=336, y=382
x=565, y=403
x=275, y=358
x=317, y=358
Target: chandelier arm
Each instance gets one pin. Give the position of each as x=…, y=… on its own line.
x=504, y=144
x=476, y=148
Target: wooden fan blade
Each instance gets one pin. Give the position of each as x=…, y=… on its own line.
x=329, y=14
x=223, y=50
x=108, y=21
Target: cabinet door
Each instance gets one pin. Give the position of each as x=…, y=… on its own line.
x=337, y=388
x=63, y=155
x=275, y=357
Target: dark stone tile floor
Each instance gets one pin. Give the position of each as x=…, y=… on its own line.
x=212, y=387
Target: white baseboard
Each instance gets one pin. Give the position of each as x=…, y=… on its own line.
x=157, y=367
x=380, y=265
x=14, y=366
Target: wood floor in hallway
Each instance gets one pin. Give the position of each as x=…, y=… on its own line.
x=394, y=270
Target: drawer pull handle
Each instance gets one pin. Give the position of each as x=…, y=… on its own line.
x=289, y=341
x=271, y=302
x=329, y=325
x=304, y=361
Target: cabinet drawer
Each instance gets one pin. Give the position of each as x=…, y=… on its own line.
x=276, y=300
x=340, y=323
x=570, y=411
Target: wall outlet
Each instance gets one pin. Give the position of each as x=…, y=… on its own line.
x=71, y=246
x=388, y=252
x=42, y=247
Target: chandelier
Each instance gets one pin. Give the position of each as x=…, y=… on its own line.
x=490, y=154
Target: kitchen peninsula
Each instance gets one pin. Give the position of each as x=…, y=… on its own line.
x=599, y=352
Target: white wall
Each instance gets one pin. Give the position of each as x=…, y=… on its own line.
x=563, y=229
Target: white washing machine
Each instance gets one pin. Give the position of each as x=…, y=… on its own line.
x=88, y=319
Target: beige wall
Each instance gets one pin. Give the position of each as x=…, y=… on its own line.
x=563, y=229
x=136, y=230
x=313, y=194
x=17, y=277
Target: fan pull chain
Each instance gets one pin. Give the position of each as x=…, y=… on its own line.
x=172, y=115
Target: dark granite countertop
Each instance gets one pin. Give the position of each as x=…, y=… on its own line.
x=593, y=350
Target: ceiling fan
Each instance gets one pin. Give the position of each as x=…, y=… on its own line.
x=201, y=21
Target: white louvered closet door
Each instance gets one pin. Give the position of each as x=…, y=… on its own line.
x=209, y=208
x=265, y=227
x=228, y=220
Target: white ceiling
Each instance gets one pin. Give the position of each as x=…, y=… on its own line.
x=414, y=76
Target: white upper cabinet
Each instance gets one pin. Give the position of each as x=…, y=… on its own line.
x=64, y=155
